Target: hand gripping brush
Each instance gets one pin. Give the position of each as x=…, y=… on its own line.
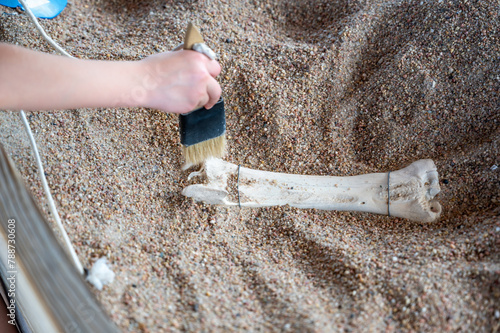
x=202, y=131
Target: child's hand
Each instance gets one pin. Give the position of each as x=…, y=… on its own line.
x=178, y=82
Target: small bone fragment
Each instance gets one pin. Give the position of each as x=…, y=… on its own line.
x=412, y=190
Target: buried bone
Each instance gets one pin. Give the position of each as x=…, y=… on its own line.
x=407, y=193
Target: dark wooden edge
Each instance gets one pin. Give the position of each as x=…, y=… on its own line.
x=64, y=291
x=21, y=325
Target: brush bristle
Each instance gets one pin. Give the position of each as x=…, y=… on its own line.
x=198, y=153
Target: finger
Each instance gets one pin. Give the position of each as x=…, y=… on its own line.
x=214, y=91
x=213, y=67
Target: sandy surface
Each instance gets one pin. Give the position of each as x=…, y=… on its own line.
x=311, y=87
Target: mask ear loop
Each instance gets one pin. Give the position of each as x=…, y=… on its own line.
x=238, y=185
x=388, y=194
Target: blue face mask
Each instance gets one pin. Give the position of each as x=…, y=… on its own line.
x=41, y=8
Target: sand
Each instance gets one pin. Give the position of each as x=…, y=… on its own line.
x=311, y=87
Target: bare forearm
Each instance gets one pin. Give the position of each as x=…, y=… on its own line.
x=37, y=81
x=175, y=82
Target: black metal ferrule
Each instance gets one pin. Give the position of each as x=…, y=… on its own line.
x=202, y=124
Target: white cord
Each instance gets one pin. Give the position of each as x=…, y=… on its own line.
x=52, y=206
x=99, y=274
x=41, y=31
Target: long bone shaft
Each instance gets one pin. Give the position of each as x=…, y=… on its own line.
x=411, y=190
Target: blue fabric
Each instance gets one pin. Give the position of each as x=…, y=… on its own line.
x=40, y=8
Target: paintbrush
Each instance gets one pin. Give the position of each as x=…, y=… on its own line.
x=202, y=131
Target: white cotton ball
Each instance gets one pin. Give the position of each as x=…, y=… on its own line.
x=100, y=274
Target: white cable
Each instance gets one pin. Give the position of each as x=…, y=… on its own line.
x=52, y=206
x=41, y=31
x=99, y=274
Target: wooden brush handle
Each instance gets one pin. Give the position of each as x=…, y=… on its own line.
x=192, y=37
